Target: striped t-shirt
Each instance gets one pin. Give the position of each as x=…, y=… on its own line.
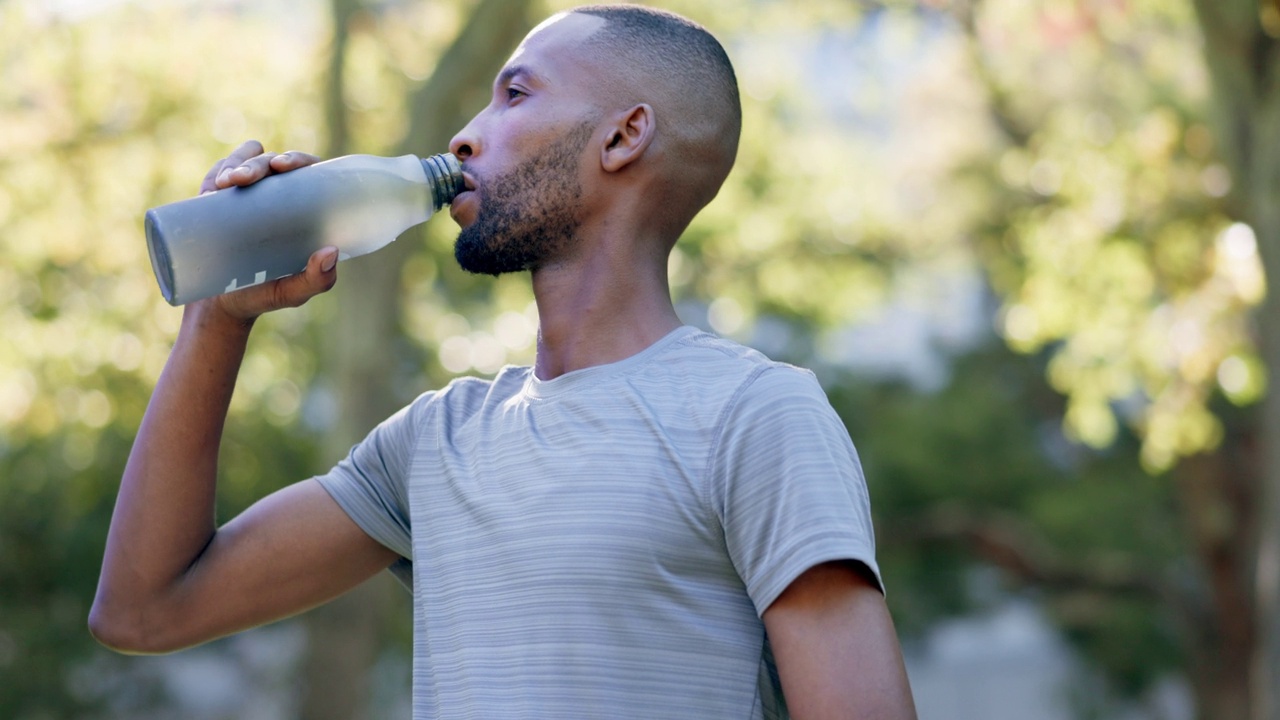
x=602, y=545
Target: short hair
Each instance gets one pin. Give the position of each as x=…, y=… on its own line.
x=695, y=77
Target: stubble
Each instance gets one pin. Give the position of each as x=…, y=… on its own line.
x=529, y=216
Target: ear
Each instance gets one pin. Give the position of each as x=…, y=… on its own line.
x=629, y=138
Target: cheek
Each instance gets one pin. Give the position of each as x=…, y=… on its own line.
x=506, y=149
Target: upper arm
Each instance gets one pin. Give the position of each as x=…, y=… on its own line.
x=289, y=552
x=302, y=545
x=836, y=649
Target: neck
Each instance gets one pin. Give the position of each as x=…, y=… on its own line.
x=600, y=307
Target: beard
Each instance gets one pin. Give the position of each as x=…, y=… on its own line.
x=528, y=216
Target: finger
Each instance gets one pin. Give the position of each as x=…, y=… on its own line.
x=224, y=170
x=292, y=160
x=216, y=178
x=318, y=277
x=248, y=172
x=210, y=181
x=247, y=149
x=238, y=157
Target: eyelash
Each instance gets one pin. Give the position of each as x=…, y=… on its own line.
x=513, y=93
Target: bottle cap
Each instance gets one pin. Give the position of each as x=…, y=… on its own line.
x=444, y=174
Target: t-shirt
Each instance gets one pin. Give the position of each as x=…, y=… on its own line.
x=603, y=544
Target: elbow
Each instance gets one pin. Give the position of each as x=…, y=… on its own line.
x=113, y=631
x=124, y=631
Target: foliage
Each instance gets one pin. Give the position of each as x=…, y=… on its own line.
x=95, y=131
x=1104, y=227
x=980, y=473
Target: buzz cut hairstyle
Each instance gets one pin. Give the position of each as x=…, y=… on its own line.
x=669, y=46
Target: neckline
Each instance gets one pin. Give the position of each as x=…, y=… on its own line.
x=536, y=388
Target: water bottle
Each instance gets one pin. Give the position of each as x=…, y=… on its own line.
x=243, y=236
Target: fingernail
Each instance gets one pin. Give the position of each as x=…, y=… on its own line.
x=329, y=261
x=224, y=175
x=242, y=171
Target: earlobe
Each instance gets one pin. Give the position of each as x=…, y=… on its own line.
x=629, y=138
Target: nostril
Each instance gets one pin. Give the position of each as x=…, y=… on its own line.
x=463, y=151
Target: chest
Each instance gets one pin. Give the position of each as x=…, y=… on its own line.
x=609, y=493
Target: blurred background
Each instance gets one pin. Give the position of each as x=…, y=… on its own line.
x=1023, y=243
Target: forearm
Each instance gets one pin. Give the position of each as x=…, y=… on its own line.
x=164, y=515
x=165, y=582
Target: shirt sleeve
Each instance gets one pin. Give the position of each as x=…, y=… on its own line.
x=370, y=484
x=787, y=484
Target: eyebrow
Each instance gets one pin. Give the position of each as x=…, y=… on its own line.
x=510, y=73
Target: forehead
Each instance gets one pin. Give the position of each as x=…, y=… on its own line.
x=554, y=50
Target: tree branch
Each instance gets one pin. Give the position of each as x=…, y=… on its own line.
x=1019, y=550
x=337, y=137
x=1002, y=114
x=461, y=78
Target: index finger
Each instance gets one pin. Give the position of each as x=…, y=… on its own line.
x=248, y=149
x=292, y=160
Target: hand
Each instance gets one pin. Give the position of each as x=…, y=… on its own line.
x=247, y=165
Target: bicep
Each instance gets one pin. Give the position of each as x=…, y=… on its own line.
x=290, y=551
x=836, y=649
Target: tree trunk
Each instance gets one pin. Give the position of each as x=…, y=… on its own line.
x=1244, y=64
x=1265, y=218
x=1217, y=621
x=362, y=361
x=342, y=635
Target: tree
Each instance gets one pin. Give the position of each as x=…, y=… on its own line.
x=978, y=475
x=95, y=132
x=1243, y=57
x=1131, y=226
x=365, y=356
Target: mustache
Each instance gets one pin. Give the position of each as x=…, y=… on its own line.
x=473, y=178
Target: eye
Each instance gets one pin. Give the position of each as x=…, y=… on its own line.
x=513, y=93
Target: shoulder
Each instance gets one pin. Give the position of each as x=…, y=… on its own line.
x=780, y=382
x=777, y=403
x=464, y=396
x=702, y=377
x=756, y=380
x=729, y=363
x=716, y=348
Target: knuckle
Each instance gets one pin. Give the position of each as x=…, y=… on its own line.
x=279, y=298
x=261, y=162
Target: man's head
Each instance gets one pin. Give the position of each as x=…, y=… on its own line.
x=602, y=107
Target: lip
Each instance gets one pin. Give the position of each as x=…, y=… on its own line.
x=458, y=207
x=461, y=208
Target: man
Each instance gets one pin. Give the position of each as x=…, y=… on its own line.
x=650, y=522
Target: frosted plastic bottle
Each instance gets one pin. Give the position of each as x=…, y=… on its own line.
x=242, y=236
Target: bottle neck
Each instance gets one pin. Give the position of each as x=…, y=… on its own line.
x=444, y=177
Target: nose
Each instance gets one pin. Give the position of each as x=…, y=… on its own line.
x=464, y=145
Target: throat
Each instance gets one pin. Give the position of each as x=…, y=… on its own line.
x=584, y=324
